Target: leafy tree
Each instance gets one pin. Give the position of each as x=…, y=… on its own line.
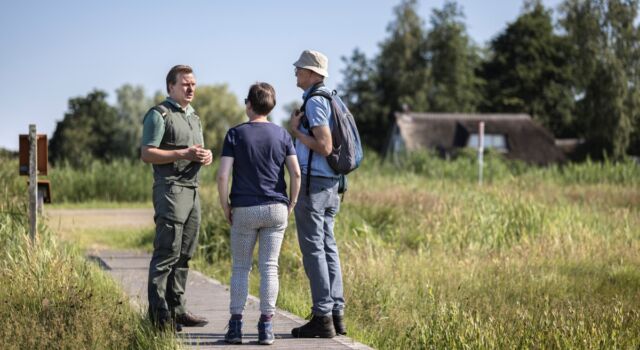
x=361, y=93
x=86, y=132
x=394, y=80
x=132, y=104
x=219, y=110
x=5, y=153
x=159, y=96
x=288, y=109
x=529, y=71
x=402, y=66
x=606, y=55
x=415, y=70
x=452, y=59
x=607, y=122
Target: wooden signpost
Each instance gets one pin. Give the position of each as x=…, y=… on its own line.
x=33, y=161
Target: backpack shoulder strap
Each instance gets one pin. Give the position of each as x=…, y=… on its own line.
x=315, y=91
x=320, y=93
x=313, y=94
x=305, y=122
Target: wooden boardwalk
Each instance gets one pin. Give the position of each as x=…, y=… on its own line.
x=210, y=298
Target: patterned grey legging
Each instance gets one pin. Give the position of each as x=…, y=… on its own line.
x=265, y=223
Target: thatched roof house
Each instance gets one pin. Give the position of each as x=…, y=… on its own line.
x=517, y=136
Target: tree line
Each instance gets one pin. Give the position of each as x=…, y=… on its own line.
x=577, y=75
x=93, y=129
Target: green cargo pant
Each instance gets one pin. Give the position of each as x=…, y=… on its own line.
x=177, y=218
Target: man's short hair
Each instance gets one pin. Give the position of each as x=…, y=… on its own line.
x=172, y=76
x=262, y=97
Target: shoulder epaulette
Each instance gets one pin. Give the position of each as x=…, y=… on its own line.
x=162, y=109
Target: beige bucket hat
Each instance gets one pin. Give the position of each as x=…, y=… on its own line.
x=314, y=61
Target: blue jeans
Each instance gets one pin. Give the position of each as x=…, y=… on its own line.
x=315, y=216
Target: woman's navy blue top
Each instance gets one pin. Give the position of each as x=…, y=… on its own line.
x=259, y=151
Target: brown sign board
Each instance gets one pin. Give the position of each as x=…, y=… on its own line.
x=44, y=190
x=44, y=187
x=43, y=154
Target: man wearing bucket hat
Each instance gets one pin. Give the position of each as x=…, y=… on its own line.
x=318, y=205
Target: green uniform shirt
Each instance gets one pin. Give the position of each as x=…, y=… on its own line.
x=179, y=128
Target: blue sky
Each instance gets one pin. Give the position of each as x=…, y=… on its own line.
x=55, y=50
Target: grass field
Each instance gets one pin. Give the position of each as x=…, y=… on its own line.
x=52, y=297
x=534, y=258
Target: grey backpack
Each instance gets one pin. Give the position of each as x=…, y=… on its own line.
x=346, y=154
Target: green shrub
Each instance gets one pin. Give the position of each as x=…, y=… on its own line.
x=625, y=172
x=118, y=181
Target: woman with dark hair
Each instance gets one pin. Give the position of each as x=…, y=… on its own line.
x=258, y=207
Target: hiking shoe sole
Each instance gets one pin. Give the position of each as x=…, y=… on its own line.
x=233, y=341
x=316, y=335
x=266, y=342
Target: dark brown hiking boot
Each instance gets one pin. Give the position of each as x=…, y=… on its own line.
x=190, y=320
x=163, y=322
x=317, y=327
x=338, y=324
x=169, y=325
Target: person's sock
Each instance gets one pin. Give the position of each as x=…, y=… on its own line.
x=236, y=317
x=265, y=318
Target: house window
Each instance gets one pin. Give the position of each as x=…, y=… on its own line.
x=495, y=141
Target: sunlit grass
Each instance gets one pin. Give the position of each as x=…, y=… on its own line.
x=431, y=262
x=533, y=258
x=52, y=297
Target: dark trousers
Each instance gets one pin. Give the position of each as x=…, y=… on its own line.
x=177, y=218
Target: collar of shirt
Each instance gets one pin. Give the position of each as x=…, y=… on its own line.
x=188, y=110
x=306, y=92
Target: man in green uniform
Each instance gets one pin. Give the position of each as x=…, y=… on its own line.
x=172, y=141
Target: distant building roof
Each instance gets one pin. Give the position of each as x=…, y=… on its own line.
x=525, y=139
